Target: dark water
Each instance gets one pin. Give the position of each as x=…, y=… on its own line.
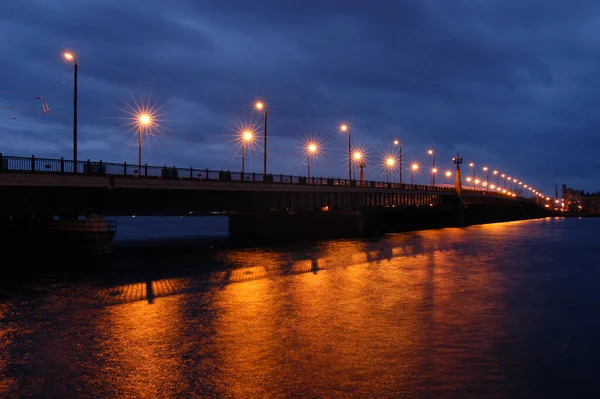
x=497, y=311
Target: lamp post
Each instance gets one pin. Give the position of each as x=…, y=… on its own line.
x=260, y=106
x=413, y=168
x=247, y=136
x=143, y=121
x=448, y=174
x=311, y=149
x=504, y=177
x=71, y=57
x=357, y=159
x=397, y=142
x=472, y=165
x=433, y=169
x=344, y=129
x=496, y=174
x=389, y=164
x=487, y=175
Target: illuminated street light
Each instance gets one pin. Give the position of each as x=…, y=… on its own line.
x=487, y=175
x=260, y=106
x=397, y=142
x=357, y=156
x=71, y=57
x=247, y=137
x=448, y=174
x=472, y=165
x=144, y=120
x=413, y=168
x=344, y=128
x=433, y=169
x=310, y=149
x=389, y=164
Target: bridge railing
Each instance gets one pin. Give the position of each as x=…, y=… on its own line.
x=99, y=168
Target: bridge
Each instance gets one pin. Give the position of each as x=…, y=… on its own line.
x=60, y=191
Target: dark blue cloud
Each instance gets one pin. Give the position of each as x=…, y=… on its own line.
x=511, y=84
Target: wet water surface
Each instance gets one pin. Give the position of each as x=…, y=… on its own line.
x=500, y=310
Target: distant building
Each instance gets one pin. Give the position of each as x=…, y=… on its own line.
x=578, y=201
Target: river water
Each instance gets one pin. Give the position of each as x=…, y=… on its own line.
x=506, y=310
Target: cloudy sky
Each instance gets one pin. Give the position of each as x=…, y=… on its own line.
x=512, y=84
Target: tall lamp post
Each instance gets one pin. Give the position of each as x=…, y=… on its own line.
x=261, y=106
x=433, y=169
x=472, y=165
x=448, y=174
x=143, y=121
x=311, y=149
x=397, y=142
x=487, y=176
x=497, y=177
x=357, y=160
x=389, y=164
x=71, y=57
x=413, y=168
x=247, y=137
x=344, y=129
x=504, y=177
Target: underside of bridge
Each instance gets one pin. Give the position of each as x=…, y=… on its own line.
x=28, y=214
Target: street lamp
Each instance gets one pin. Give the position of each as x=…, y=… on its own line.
x=71, y=57
x=310, y=149
x=357, y=157
x=496, y=174
x=344, y=129
x=487, y=175
x=261, y=106
x=504, y=177
x=472, y=165
x=397, y=142
x=448, y=174
x=413, y=168
x=143, y=121
x=389, y=164
x=247, y=136
x=433, y=170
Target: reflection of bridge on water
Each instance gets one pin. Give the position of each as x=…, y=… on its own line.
x=152, y=289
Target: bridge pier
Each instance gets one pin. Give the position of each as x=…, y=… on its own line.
x=319, y=224
x=297, y=225
x=45, y=234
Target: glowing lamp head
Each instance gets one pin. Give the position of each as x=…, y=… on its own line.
x=145, y=119
x=492, y=186
x=448, y=173
x=312, y=148
x=69, y=56
x=390, y=162
x=495, y=172
x=259, y=105
x=344, y=128
x=414, y=166
x=468, y=179
x=502, y=175
x=471, y=164
x=396, y=142
x=485, y=168
x=434, y=170
x=476, y=181
x=430, y=152
x=247, y=135
x=357, y=155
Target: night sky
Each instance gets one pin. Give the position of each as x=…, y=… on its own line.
x=512, y=84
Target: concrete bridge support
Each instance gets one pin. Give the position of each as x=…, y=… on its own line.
x=65, y=235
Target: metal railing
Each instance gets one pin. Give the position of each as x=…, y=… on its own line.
x=99, y=168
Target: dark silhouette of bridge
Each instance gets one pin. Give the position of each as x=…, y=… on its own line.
x=47, y=189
